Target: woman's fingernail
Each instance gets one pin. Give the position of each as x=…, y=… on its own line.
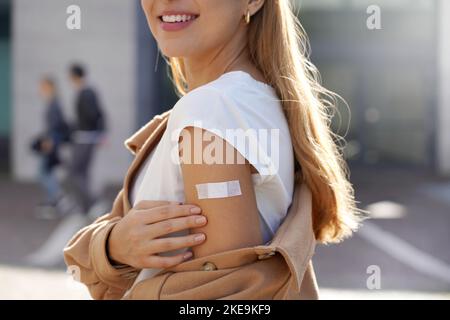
x=200, y=220
x=187, y=255
x=199, y=237
x=196, y=210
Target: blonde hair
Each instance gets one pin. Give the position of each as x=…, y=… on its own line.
x=279, y=48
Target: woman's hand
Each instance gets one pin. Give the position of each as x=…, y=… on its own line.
x=138, y=238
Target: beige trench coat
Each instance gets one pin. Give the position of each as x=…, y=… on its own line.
x=281, y=269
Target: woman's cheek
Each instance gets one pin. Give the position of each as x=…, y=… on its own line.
x=154, y=29
x=217, y=35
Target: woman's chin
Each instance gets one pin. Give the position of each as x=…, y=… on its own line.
x=175, y=51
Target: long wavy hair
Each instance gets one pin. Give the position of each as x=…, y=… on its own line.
x=308, y=108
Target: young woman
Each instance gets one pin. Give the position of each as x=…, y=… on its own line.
x=240, y=66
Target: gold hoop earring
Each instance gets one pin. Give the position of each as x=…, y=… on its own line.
x=247, y=17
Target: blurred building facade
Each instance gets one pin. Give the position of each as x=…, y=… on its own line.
x=443, y=98
x=115, y=46
x=395, y=79
x=5, y=83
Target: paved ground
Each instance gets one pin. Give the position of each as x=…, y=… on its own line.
x=408, y=244
x=425, y=227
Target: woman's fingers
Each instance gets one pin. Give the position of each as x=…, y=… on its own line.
x=138, y=238
x=148, y=204
x=166, y=212
x=160, y=262
x=163, y=228
x=175, y=243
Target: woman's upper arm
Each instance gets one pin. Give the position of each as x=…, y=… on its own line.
x=233, y=219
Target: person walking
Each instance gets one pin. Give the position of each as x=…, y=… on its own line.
x=47, y=145
x=87, y=134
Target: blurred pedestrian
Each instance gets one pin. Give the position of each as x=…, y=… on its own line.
x=88, y=133
x=47, y=144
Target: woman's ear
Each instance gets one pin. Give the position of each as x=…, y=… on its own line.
x=255, y=5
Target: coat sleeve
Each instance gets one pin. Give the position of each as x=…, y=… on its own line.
x=86, y=257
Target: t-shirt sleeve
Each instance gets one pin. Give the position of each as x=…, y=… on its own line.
x=222, y=114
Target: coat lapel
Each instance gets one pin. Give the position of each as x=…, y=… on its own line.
x=141, y=144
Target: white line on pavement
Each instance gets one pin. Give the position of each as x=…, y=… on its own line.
x=405, y=252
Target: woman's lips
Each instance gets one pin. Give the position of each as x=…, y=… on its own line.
x=176, y=21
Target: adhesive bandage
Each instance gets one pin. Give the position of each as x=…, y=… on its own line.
x=218, y=190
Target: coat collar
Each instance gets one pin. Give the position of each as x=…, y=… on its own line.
x=138, y=139
x=140, y=145
x=294, y=238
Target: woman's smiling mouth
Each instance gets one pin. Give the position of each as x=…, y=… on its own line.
x=175, y=21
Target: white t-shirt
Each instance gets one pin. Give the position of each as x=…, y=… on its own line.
x=233, y=104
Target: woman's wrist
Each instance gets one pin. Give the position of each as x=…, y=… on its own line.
x=113, y=260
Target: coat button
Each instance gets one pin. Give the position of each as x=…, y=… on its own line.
x=209, y=266
x=266, y=255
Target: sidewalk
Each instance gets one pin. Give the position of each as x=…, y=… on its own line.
x=57, y=285
x=409, y=243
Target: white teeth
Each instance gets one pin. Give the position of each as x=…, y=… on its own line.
x=177, y=18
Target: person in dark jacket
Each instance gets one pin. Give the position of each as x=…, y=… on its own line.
x=88, y=133
x=48, y=144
